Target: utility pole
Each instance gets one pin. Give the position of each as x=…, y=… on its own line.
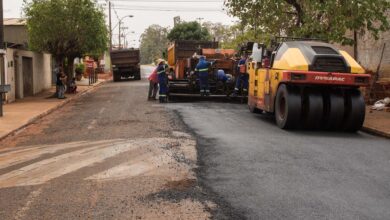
x=119, y=23
x=3, y=88
x=124, y=42
x=123, y=36
x=109, y=23
x=2, y=72
x=119, y=36
x=1, y=28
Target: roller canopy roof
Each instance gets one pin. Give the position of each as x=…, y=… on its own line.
x=314, y=56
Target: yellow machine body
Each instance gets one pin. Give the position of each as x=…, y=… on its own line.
x=319, y=64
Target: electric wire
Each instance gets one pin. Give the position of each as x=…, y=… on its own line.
x=169, y=1
x=173, y=9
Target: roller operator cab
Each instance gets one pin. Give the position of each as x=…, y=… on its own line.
x=307, y=84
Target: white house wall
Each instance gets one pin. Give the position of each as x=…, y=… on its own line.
x=42, y=75
x=10, y=65
x=42, y=72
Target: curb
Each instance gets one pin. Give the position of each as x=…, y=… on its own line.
x=43, y=114
x=376, y=132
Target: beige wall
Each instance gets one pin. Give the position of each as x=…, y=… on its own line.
x=369, y=52
x=42, y=72
x=15, y=34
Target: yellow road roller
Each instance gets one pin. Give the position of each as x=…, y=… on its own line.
x=307, y=84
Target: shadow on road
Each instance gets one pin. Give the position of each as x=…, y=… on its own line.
x=270, y=119
x=189, y=99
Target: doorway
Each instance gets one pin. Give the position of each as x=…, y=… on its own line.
x=27, y=69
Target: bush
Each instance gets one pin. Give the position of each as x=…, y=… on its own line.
x=80, y=68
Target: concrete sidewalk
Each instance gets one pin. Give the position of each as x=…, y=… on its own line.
x=377, y=122
x=21, y=113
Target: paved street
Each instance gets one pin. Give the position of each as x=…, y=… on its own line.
x=268, y=173
x=113, y=155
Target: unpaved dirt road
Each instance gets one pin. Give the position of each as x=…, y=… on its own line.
x=108, y=155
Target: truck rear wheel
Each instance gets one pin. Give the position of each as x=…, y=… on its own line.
x=116, y=77
x=288, y=105
x=313, y=108
x=137, y=76
x=355, y=110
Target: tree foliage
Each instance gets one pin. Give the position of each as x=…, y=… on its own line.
x=218, y=31
x=154, y=43
x=329, y=20
x=233, y=36
x=189, y=31
x=66, y=28
x=237, y=35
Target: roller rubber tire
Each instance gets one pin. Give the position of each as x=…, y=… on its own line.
x=334, y=110
x=288, y=105
x=355, y=111
x=313, y=109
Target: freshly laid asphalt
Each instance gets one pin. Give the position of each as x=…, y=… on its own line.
x=264, y=172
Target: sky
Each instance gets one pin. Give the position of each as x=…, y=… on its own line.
x=146, y=13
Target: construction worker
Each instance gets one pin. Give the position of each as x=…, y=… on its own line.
x=243, y=77
x=153, y=85
x=203, y=73
x=162, y=80
x=223, y=77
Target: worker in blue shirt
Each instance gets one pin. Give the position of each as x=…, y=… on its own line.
x=222, y=76
x=243, y=76
x=203, y=73
x=162, y=80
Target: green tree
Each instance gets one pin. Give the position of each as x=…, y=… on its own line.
x=232, y=36
x=66, y=28
x=236, y=35
x=154, y=43
x=330, y=20
x=189, y=31
x=218, y=31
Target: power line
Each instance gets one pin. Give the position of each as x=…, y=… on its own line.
x=164, y=1
x=159, y=9
x=129, y=7
x=166, y=6
x=116, y=13
x=155, y=8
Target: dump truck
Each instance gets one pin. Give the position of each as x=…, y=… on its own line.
x=179, y=52
x=307, y=84
x=183, y=80
x=125, y=64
